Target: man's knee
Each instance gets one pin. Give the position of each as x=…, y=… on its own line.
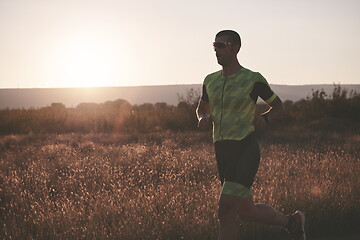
x=247, y=210
x=230, y=206
x=247, y=214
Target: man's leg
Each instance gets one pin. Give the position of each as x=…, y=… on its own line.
x=231, y=205
x=227, y=219
x=261, y=213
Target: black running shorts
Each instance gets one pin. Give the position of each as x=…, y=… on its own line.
x=238, y=162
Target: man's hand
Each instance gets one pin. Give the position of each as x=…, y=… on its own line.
x=204, y=122
x=203, y=114
x=276, y=111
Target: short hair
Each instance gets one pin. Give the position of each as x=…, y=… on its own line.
x=233, y=36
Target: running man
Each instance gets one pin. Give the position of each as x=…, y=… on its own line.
x=228, y=101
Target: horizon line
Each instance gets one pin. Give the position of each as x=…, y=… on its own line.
x=165, y=85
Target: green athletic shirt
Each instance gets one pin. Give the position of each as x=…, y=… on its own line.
x=232, y=101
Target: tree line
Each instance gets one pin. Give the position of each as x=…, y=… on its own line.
x=120, y=116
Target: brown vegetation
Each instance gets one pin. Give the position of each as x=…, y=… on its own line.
x=97, y=172
x=162, y=186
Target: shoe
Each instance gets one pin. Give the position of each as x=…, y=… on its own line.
x=296, y=226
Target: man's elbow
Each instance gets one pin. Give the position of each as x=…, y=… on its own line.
x=278, y=107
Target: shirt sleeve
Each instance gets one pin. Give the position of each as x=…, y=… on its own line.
x=204, y=96
x=262, y=89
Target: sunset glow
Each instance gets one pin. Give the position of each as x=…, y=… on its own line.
x=85, y=43
x=84, y=62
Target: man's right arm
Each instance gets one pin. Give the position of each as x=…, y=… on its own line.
x=203, y=114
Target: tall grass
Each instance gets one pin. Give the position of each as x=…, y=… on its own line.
x=162, y=186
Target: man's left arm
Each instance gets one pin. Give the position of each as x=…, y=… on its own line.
x=275, y=111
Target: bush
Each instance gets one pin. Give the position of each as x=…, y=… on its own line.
x=120, y=116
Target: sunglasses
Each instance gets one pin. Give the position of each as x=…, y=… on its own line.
x=221, y=44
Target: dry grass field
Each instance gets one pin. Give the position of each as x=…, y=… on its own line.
x=164, y=186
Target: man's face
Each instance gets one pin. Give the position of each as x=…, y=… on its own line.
x=225, y=51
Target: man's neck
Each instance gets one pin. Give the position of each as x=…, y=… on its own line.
x=231, y=69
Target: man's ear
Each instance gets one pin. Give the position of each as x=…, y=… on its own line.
x=237, y=48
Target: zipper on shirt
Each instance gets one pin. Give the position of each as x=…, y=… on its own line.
x=222, y=107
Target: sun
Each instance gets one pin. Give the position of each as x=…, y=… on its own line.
x=87, y=62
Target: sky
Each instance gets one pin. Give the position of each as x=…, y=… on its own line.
x=89, y=43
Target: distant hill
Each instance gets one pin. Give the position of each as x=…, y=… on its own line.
x=71, y=97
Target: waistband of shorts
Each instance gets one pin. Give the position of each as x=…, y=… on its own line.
x=250, y=137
